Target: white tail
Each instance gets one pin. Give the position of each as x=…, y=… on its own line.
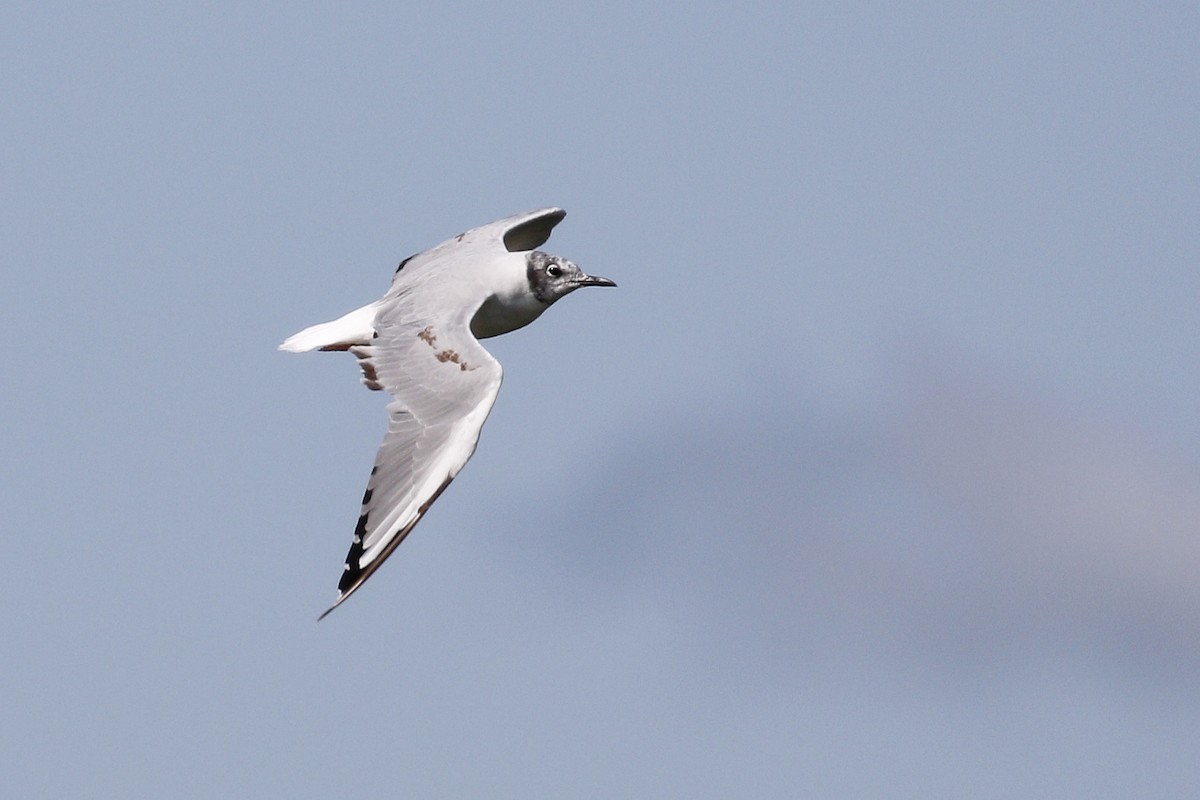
x=357, y=327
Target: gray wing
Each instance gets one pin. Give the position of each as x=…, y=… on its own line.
x=443, y=383
x=518, y=233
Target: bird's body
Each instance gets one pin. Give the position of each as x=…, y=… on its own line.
x=420, y=343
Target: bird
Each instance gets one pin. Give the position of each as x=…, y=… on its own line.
x=420, y=344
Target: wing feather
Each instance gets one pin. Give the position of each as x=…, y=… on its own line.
x=443, y=383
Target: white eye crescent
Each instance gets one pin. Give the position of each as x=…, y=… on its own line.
x=554, y=270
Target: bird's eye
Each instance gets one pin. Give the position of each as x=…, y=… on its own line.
x=554, y=270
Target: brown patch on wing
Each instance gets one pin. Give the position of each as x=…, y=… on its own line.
x=426, y=335
x=370, y=375
x=453, y=358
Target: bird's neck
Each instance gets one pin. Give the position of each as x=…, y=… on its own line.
x=506, y=309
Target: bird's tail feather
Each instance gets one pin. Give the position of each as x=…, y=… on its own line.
x=355, y=328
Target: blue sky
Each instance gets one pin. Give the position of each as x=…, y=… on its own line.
x=877, y=476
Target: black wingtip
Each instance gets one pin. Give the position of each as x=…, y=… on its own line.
x=329, y=610
x=353, y=575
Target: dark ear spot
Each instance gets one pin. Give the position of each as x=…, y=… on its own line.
x=533, y=232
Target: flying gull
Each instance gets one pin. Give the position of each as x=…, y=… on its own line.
x=420, y=343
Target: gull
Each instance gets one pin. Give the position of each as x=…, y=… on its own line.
x=420, y=343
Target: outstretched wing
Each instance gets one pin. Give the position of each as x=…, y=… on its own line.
x=443, y=383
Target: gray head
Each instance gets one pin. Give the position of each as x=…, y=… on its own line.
x=552, y=277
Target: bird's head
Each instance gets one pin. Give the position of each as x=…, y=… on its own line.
x=553, y=277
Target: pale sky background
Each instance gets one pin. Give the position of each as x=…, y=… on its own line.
x=878, y=476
